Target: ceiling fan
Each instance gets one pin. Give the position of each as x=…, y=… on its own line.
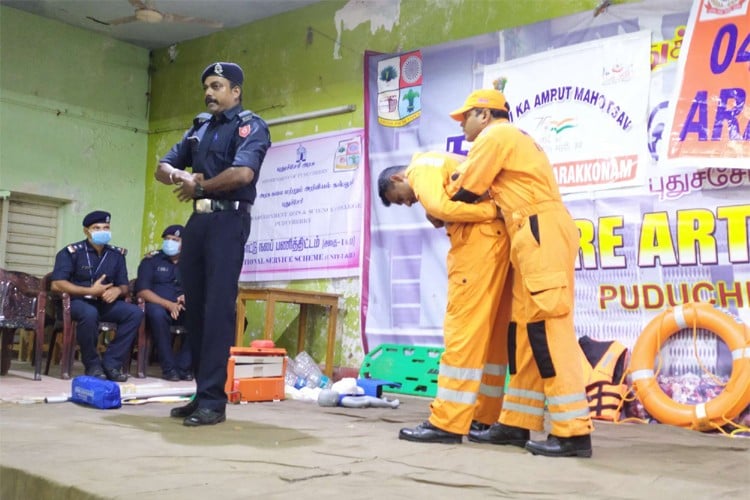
x=147, y=13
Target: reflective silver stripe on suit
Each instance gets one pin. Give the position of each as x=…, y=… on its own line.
x=521, y=393
x=522, y=408
x=462, y=397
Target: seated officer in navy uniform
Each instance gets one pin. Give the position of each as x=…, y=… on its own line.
x=159, y=285
x=225, y=150
x=95, y=276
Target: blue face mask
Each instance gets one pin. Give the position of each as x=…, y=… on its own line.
x=100, y=237
x=171, y=247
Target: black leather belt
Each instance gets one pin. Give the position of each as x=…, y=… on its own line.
x=207, y=206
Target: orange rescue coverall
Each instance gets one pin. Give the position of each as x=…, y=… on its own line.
x=473, y=365
x=543, y=351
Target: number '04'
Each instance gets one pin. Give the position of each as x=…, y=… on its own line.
x=721, y=56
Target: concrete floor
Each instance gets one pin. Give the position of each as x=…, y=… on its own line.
x=299, y=450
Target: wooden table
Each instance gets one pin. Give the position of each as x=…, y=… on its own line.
x=302, y=297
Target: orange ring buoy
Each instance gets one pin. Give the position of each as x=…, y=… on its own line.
x=735, y=396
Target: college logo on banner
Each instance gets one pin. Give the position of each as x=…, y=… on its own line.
x=348, y=154
x=400, y=89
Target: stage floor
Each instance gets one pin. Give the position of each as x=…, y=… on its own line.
x=299, y=450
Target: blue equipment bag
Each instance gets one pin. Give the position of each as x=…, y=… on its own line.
x=92, y=391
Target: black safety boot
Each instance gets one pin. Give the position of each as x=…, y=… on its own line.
x=428, y=433
x=476, y=425
x=576, y=446
x=501, y=434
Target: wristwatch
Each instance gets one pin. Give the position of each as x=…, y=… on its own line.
x=199, y=191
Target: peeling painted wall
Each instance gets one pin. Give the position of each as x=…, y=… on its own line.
x=303, y=61
x=74, y=120
x=296, y=62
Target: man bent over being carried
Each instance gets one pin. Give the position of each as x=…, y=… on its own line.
x=473, y=364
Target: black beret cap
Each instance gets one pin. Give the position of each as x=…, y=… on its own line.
x=173, y=230
x=98, y=216
x=227, y=70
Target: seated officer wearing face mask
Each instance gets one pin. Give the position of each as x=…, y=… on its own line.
x=95, y=276
x=159, y=285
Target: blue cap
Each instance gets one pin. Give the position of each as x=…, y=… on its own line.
x=96, y=217
x=173, y=230
x=230, y=71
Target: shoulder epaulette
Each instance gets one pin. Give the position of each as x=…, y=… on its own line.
x=247, y=115
x=151, y=254
x=201, y=119
x=72, y=248
x=123, y=251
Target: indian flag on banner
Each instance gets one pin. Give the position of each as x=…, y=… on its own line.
x=586, y=106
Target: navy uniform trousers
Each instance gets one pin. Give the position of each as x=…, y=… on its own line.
x=159, y=323
x=213, y=249
x=88, y=313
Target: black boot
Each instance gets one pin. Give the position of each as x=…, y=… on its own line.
x=476, y=425
x=576, y=446
x=97, y=372
x=184, y=411
x=501, y=434
x=115, y=375
x=428, y=433
x=205, y=416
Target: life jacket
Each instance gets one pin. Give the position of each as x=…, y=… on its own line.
x=603, y=368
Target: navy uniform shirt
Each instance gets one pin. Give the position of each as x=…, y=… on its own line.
x=80, y=264
x=159, y=274
x=221, y=142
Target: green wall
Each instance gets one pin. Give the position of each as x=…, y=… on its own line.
x=292, y=66
x=74, y=108
x=74, y=120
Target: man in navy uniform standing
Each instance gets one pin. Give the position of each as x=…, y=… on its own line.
x=160, y=287
x=225, y=149
x=95, y=276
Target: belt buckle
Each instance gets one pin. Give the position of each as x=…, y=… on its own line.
x=203, y=206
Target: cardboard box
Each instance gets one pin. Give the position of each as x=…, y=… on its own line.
x=255, y=374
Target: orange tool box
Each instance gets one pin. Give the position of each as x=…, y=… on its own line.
x=255, y=374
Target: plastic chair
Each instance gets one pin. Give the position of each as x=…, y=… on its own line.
x=65, y=324
x=23, y=301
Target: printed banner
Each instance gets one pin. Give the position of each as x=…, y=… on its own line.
x=307, y=216
x=584, y=105
x=672, y=237
x=709, y=115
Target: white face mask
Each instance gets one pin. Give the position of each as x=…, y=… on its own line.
x=171, y=247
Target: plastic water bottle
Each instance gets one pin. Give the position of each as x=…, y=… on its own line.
x=315, y=380
x=309, y=370
x=290, y=376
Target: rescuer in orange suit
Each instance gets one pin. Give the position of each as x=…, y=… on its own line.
x=474, y=362
x=544, y=355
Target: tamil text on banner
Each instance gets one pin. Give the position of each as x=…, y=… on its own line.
x=585, y=106
x=710, y=113
x=307, y=217
x=677, y=236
